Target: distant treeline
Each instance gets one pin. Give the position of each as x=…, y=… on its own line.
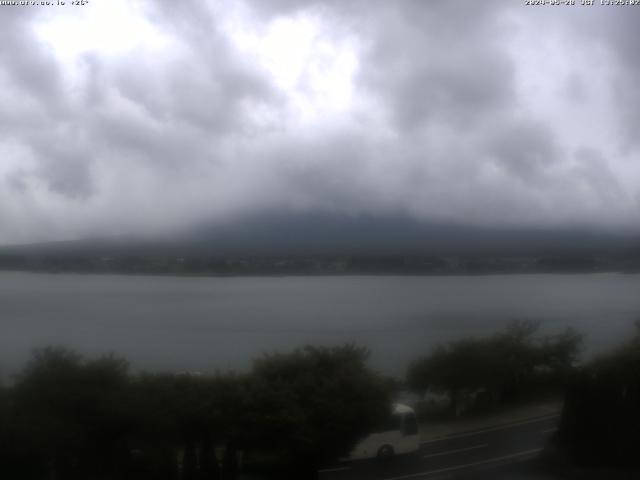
x=319, y=265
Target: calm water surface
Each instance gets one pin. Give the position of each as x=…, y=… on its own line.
x=195, y=323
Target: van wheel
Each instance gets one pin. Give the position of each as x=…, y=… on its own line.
x=385, y=452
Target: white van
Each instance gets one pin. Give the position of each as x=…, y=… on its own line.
x=399, y=436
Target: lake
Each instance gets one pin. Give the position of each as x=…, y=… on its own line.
x=208, y=323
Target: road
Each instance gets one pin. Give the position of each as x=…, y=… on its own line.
x=506, y=451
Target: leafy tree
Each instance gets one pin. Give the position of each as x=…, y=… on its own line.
x=315, y=403
x=601, y=415
x=190, y=414
x=505, y=365
x=73, y=412
x=70, y=418
x=513, y=358
x=451, y=368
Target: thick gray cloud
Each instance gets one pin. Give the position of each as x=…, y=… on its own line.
x=526, y=150
x=153, y=116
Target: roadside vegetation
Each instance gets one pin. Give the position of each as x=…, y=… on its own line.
x=600, y=422
x=66, y=417
x=484, y=373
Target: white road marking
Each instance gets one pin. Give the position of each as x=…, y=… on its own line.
x=549, y=430
x=337, y=469
x=491, y=429
x=449, y=452
x=475, y=464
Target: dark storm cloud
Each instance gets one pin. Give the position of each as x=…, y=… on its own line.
x=65, y=169
x=329, y=173
x=434, y=109
x=593, y=169
x=525, y=150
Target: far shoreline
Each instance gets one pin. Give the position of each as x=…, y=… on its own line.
x=319, y=274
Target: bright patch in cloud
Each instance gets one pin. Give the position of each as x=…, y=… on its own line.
x=108, y=27
x=313, y=69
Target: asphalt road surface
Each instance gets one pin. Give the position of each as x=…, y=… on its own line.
x=501, y=452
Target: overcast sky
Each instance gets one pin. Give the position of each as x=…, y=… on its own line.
x=127, y=116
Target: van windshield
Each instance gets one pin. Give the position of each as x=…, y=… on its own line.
x=392, y=423
x=410, y=424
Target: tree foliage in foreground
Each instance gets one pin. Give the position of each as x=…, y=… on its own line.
x=505, y=366
x=601, y=417
x=68, y=418
x=69, y=415
x=316, y=402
